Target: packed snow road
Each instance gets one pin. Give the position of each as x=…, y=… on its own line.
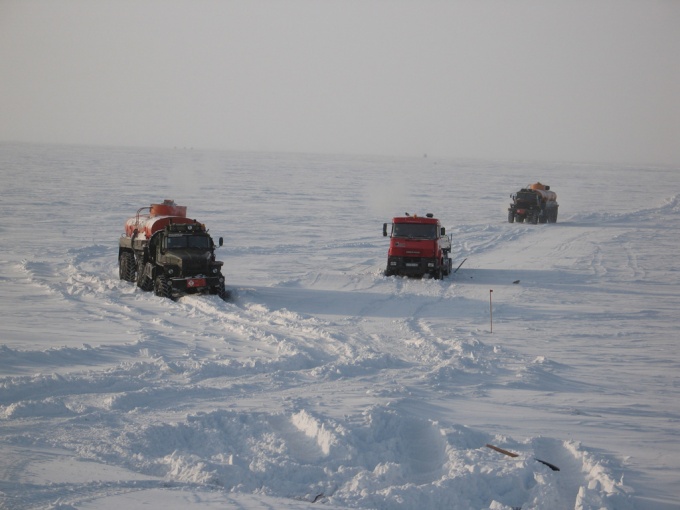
x=322, y=380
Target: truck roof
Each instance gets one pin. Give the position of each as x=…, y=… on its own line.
x=415, y=219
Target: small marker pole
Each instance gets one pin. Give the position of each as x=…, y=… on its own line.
x=491, y=310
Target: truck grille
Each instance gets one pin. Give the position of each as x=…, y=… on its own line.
x=192, y=268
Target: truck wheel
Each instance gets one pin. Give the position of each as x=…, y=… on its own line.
x=534, y=219
x=161, y=287
x=224, y=293
x=511, y=217
x=143, y=281
x=127, y=270
x=221, y=291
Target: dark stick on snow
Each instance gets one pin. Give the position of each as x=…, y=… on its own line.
x=511, y=454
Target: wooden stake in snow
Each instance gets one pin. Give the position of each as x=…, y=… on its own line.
x=501, y=450
x=491, y=310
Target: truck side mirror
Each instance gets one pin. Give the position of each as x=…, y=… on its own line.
x=443, y=231
x=384, y=229
x=220, y=241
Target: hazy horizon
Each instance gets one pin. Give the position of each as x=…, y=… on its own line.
x=559, y=81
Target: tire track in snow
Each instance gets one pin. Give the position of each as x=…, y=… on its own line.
x=66, y=495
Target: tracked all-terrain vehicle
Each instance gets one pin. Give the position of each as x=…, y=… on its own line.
x=419, y=246
x=533, y=204
x=164, y=251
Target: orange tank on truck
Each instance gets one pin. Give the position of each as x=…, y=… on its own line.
x=544, y=191
x=157, y=218
x=165, y=251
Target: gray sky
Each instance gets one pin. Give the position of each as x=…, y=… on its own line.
x=561, y=80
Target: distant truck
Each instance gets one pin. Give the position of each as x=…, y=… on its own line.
x=533, y=204
x=419, y=246
x=168, y=253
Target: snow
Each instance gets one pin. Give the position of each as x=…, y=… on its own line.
x=323, y=382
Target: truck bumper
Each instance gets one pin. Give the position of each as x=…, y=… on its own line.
x=410, y=266
x=197, y=285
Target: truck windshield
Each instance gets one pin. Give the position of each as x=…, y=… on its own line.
x=415, y=230
x=196, y=242
x=527, y=197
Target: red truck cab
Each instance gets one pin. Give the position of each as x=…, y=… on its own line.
x=418, y=246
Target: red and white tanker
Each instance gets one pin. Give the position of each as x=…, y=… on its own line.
x=164, y=251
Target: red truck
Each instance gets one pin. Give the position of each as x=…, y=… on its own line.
x=419, y=246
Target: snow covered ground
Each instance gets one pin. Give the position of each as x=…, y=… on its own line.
x=323, y=382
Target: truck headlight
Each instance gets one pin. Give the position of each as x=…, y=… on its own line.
x=430, y=264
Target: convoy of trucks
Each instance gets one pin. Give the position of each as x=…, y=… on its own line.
x=164, y=251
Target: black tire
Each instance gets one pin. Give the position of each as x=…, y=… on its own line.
x=224, y=293
x=534, y=219
x=161, y=287
x=127, y=269
x=555, y=215
x=220, y=291
x=511, y=217
x=143, y=282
